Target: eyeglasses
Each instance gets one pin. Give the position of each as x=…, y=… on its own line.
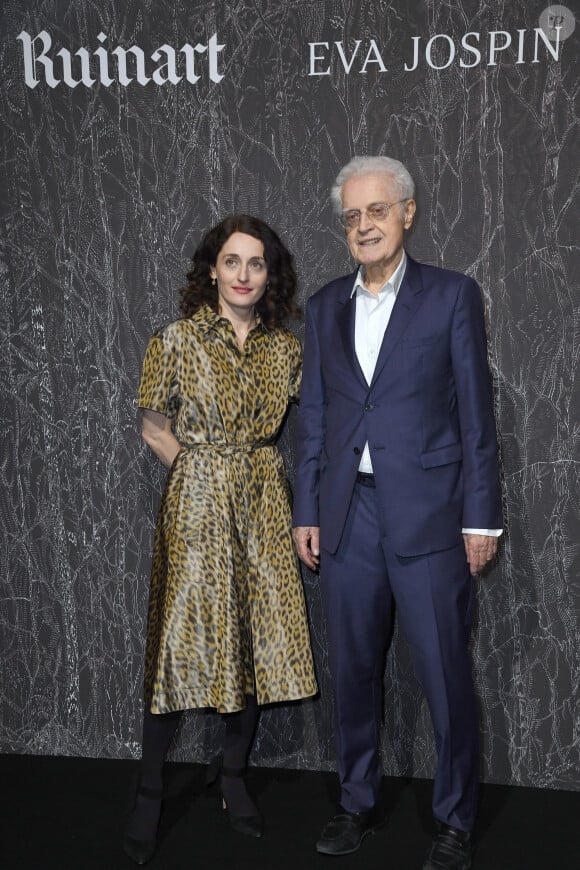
x=377, y=212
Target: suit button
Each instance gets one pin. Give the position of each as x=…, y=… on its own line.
x=356, y=450
x=369, y=407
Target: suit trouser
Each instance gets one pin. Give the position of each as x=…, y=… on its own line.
x=433, y=595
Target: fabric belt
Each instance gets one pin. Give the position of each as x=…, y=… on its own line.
x=228, y=449
x=365, y=479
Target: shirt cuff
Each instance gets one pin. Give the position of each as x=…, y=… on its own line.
x=492, y=533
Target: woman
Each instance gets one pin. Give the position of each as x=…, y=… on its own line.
x=227, y=624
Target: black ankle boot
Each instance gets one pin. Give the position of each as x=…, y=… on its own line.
x=141, y=850
x=250, y=825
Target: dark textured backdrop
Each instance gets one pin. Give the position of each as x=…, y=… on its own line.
x=107, y=189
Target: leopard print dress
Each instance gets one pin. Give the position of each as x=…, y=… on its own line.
x=226, y=612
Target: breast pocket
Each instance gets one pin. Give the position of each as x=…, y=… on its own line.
x=418, y=342
x=408, y=357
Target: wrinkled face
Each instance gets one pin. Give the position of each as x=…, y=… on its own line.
x=375, y=243
x=241, y=274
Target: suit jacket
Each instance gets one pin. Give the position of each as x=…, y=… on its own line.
x=427, y=415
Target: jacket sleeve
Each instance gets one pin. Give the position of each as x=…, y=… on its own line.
x=481, y=480
x=310, y=429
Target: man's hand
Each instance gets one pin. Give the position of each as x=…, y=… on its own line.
x=307, y=540
x=479, y=549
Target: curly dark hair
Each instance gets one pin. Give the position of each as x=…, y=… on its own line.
x=276, y=305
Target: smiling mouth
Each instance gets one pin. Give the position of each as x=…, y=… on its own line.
x=367, y=242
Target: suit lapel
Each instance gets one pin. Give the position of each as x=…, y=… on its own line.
x=346, y=317
x=409, y=299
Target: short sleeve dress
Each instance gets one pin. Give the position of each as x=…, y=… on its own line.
x=227, y=615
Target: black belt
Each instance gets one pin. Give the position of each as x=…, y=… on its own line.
x=365, y=479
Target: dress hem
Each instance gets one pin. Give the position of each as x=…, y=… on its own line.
x=194, y=704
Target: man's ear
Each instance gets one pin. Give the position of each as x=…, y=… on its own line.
x=410, y=209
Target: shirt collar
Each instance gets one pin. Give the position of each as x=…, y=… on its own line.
x=395, y=280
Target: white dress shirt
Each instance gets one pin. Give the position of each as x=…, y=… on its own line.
x=372, y=318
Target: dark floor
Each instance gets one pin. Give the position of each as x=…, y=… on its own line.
x=68, y=814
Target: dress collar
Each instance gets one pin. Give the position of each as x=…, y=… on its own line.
x=209, y=320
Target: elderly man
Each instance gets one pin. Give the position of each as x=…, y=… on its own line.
x=397, y=496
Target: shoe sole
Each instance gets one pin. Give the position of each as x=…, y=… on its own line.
x=331, y=852
x=430, y=866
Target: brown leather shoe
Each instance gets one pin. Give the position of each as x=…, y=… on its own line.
x=450, y=850
x=345, y=832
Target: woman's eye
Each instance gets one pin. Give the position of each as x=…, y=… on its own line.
x=257, y=266
x=231, y=261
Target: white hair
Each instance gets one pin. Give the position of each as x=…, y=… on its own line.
x=394, y=169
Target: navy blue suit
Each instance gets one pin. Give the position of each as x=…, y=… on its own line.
x=428, y=419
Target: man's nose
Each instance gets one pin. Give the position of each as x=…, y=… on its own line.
x=365, y=223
